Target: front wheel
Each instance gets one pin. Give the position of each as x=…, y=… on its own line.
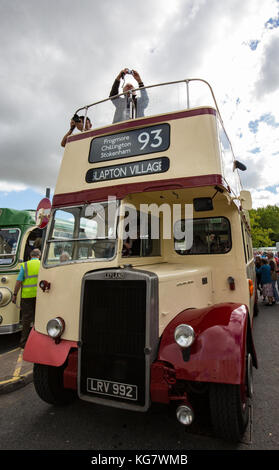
x=48, y=382
x=229, y=411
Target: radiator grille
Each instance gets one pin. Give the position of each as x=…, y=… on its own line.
x=113, y=336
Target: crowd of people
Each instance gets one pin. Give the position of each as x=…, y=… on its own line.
x=267, y=271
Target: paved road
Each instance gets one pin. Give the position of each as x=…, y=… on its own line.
x=8, y=342
x=28, y=423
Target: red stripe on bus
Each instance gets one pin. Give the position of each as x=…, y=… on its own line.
x=122, y=190
x=140, y=122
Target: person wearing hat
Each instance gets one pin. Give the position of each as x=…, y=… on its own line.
x=27, y=281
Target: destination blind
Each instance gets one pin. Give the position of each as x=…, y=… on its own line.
x=131, y=143
x=127, y=170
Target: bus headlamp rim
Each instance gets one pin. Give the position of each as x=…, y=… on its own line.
x=55, y=327
x=2, y=296
x=184, y=335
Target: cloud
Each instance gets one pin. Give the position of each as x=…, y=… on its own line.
x=269, y=73
x=262, y=198
x=59, y=56
x=8, y=187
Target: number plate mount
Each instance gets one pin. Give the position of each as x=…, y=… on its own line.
x=112, y=389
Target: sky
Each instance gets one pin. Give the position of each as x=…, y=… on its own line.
x=59, y=55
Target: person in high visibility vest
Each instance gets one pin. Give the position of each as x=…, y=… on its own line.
x=27, y=281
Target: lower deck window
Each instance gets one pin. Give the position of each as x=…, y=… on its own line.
x=142, y=244
x=210, y=236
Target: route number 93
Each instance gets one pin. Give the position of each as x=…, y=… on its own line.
x=152, y=138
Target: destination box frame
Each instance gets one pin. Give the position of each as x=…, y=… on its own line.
x=165, y=161
x=163, y=148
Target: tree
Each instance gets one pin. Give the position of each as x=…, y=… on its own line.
x=265, y=225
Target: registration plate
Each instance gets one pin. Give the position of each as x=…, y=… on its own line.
x=112, y=389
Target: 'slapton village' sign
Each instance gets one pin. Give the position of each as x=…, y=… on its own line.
x=127, y=170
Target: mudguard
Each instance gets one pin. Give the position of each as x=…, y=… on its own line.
x=219, y=350
x=41, y=349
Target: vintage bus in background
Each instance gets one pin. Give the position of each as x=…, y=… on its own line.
x=19, y=234
x=130, y=322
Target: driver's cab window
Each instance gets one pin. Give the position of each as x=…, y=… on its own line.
x=141, y=236
x=9, y=239
x=82, y=233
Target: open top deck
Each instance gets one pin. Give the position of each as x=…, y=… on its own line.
x=174, y=146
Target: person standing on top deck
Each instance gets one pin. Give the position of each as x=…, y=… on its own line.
x=76, y=122
x=122, y=103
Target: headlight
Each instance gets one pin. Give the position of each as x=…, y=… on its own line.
x=184, y=335
x=55, y=327
x=5, y=296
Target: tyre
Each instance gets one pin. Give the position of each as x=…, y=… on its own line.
x=229, y=411
x=48, y=382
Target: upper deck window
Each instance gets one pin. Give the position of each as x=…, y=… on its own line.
x=9, y=238
x=210, y=236
x=82, y=233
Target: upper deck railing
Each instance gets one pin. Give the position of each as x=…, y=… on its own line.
x=168, y=97
x=162, y=98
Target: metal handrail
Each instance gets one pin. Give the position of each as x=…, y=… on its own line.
x=186, y=80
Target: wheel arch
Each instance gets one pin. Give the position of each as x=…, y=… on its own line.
x=219, y=350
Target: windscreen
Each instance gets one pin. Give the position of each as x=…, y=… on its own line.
x=9, y=238
x=82, y=233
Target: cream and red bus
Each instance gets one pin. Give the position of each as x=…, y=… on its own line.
x=19, y=234
x=130, y=320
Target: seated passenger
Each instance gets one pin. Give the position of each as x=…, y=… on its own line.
x=199, y=246
x=122, y=103
x=215, y=246
x=76, y=122
x=64, y=257
x=131, y=247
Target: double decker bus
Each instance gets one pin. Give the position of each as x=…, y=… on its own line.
x=19, y=234
x=148, y=294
